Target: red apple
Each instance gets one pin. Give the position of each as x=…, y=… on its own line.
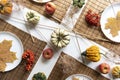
x=50, y=8
x=104, y=68
x=48, y=53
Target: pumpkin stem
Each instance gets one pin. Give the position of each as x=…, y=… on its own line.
x=31, y=15
x=59, y=38
x=83, y=53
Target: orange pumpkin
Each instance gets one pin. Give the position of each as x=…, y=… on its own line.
x=5, y=7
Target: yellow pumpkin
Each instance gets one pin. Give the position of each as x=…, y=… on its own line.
x=5, y=7
x=92, y=53
x=116, y=71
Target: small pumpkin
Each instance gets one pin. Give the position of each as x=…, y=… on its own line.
x=116, y=71
x=33, y=17
x=78, y=3
x=5, y=7
x=39, y=76
x=60, y=38
x=92, y=53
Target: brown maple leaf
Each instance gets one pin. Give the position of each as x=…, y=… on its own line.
x=113, y=24
x=6, y=56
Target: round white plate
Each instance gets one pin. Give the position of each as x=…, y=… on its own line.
x=41, y=1
x=107, y=13
x=80, y=76
x=16, y=47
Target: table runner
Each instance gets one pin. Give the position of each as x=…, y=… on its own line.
x=19, y=73
x=67, y=65
x=95, y=33
x=62, y=7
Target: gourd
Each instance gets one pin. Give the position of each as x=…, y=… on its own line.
x=78, y=3
x=5, y=7
x=92, y=53
x=39, y=76
x=32, y=17
x=116, y=71
x=60, y=38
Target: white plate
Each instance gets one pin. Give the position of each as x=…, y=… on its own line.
x=80, y=76
x=41, y=1
x=107, y=13
x=16, y=47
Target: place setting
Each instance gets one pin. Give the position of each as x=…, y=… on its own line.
x=15, y=48
x=15, y=45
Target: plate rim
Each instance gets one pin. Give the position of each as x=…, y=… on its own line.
x=79, y=75
x=41, y=1
x=22, y=48
x=115, y=3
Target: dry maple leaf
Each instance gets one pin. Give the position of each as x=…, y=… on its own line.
x=113, y=24
x=6, y=56
x=2, y=66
